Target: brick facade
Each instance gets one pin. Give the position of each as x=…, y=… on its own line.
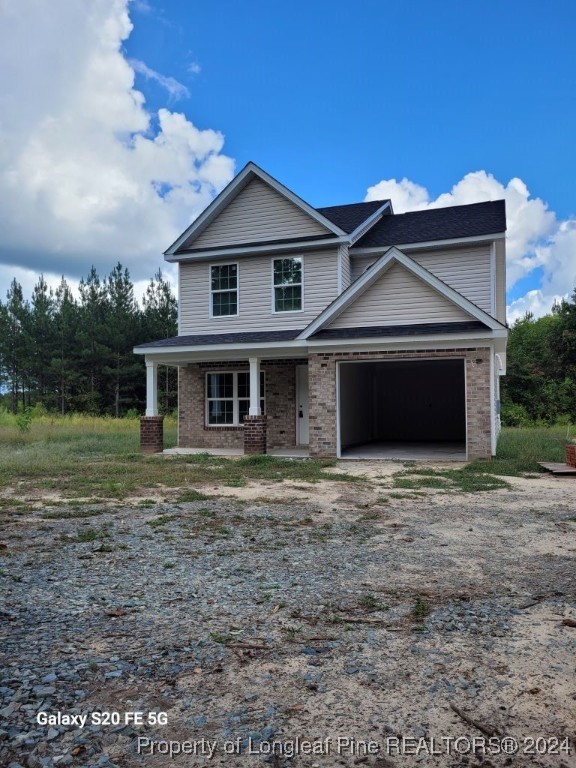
x=322, y=394
x=281, y=393
x=280, y=384
x=254, y=434
x=152, y=434
x=571, y=455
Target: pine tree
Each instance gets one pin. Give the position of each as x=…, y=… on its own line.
x=160, y=321
x=42, y=341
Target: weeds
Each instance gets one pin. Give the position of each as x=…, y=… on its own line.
x=372, y=603
x=420, y=610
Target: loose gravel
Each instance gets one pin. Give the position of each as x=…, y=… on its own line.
x=249, y=621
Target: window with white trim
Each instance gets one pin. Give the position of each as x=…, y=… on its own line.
x=228, y=397
x=224, y=290
x=287, y=282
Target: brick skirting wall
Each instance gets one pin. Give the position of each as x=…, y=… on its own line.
x=571, y=455
x=152, y=434
x=254, y=434
x=322, y=394
x=280, y=377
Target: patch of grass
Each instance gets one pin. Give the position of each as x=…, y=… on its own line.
x=523, y=447
x=168, y=566
x=86, y=535
x=99, y=458
x=372, y=603
x=161, y=521
x=420, y=610
x=469, y=479
x=217, y=637
x=68, y=514
x=192, y=495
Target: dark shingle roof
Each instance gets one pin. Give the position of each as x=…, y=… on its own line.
x=348, y=217
x=399, y=330
x=249, y=337
x=437, y=224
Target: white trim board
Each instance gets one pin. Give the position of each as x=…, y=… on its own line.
x=369, y=277
x=428, y=244
x=253, y=250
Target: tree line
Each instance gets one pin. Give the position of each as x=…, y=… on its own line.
x=74, y=354
x=540, y=384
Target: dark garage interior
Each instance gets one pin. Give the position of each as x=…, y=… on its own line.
x=403, y=409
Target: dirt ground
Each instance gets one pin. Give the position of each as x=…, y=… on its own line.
x=343, y=622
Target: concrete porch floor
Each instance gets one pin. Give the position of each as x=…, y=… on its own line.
x=408, y=451
x=300, y=452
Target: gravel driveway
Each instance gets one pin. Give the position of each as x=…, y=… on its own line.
x=296, y=614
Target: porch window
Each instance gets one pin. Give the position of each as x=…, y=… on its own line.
x=287, y=279
x=224, y=290
x=228, y=397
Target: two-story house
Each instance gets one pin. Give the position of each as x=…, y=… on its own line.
x=347, y=331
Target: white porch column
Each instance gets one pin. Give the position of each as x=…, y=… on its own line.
x=254, y=409
x=151, y=388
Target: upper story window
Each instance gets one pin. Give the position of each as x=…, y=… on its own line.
x=287, y=280
x=224, y=290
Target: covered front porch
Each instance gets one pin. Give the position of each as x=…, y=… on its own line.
x=231, y=404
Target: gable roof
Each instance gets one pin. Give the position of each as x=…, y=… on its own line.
x=247, y=174
x=357, y=288
x=349, y=217
x=455, y=221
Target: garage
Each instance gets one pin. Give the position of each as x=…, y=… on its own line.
x=404, y=409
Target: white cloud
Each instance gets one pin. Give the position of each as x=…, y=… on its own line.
x=535, y=237
x=175, y=89
x=87, y=173
x=194, y=68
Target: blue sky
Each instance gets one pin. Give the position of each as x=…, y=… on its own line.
x=329, y=96
x=126, y=118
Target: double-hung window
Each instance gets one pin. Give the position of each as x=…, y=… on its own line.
x=287, y=282
x=228, y=397
x=224, y=290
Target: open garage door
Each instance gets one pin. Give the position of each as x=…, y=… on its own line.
x=412, y=409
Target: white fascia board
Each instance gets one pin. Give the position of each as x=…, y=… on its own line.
x=265, y=346
x=396, y=343
x=241, y=250
x=368, y=223
x=250, y=171
x=429, y=244
x=370, y=276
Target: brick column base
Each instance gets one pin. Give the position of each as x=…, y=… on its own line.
x=152, y=434
x=571, y=455
x=254, y=434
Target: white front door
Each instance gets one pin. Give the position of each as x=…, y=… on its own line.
x=302, y=404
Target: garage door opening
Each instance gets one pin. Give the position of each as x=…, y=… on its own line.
x=408, y=409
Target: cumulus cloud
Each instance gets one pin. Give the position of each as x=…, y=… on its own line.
x=535, y=237
x=87, y=173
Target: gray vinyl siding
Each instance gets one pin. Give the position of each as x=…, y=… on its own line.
x=467, y=270
x=345, y=267
x=320, y=287
x=359, y=264
x=500, y=279
x=258, y=213
x=399, y=298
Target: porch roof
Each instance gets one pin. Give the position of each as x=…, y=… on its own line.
x=285, y=343
x=245, y=337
